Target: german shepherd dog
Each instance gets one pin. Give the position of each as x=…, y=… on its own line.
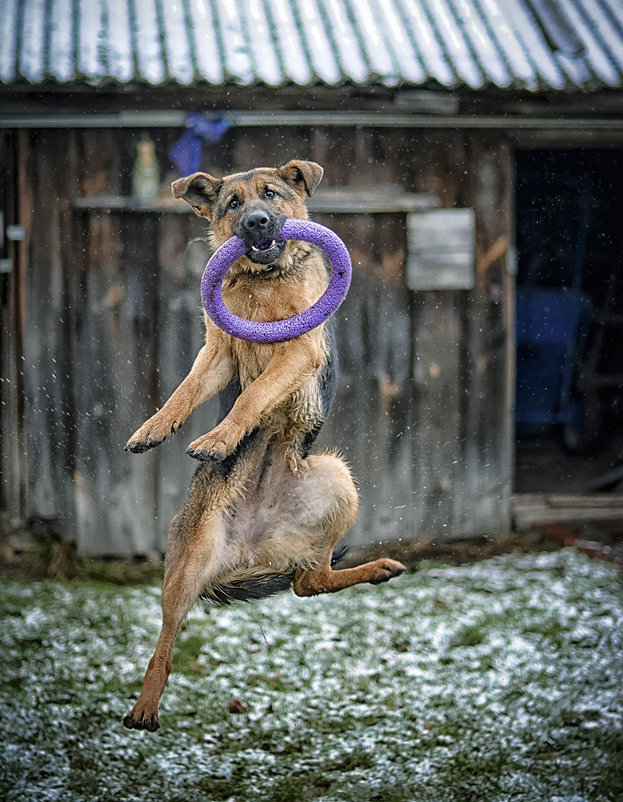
x=263, y=514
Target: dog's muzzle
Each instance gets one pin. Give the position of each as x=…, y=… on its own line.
x=259, y=229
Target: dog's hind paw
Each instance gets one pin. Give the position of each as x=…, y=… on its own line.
x=136, y=720
x=386, y=569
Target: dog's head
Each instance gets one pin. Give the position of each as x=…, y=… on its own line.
x=253, y=205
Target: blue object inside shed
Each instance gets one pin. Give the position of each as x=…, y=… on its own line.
x=551, y=326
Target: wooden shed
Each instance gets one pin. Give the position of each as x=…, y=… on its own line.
x=425, y=117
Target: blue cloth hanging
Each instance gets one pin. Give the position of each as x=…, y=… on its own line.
x=186, y=152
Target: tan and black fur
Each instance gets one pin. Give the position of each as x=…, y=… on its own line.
x=262, y=513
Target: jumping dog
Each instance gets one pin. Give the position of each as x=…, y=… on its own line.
x=263, y=513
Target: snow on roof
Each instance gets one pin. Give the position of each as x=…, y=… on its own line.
x=534, y=45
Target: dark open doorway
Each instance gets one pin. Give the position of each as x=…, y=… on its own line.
x=569, y=401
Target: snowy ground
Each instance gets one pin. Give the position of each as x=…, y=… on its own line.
x=500, y=680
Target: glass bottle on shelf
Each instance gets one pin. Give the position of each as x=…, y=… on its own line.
x=145, y=175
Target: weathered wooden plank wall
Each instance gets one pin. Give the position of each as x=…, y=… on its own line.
x=466, y=487
x=47, y=345
x=113, y=321
x=13, y=475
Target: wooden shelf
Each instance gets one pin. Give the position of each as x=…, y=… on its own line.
x=126, y=203
x=529, y=509
x=360, y=200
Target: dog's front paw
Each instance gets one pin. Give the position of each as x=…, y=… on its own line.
x=217, y=445
x=151, y=434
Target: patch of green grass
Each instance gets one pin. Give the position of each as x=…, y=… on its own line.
x=303, y=788
x=550, y=630
x=273, y=682
x=470, y=635
x=391, y=793
x=475, y=771
x=186, y=653
x=508, y=689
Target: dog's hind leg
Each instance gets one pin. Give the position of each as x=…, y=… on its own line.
x=328, y=483
x=195, y=553
x=325, y=579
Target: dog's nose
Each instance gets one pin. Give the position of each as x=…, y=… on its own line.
x=259, y=225
x=257, y=222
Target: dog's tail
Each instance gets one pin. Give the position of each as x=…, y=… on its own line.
x=339, y=553
x=247, y=586
x=254, y=584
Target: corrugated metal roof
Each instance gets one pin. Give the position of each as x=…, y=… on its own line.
x=521, y=44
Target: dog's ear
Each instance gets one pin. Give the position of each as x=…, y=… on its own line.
x=200, y=190
x=309, y=173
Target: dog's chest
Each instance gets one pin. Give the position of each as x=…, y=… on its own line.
x=251, y=360
x=301, y=409
x=260, y=300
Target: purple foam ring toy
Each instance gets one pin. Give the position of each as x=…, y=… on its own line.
x=278, y=330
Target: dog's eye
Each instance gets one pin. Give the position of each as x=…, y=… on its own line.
x=269, y=193
x=234, y=203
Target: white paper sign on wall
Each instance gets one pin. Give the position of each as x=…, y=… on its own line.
x=441, y=247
